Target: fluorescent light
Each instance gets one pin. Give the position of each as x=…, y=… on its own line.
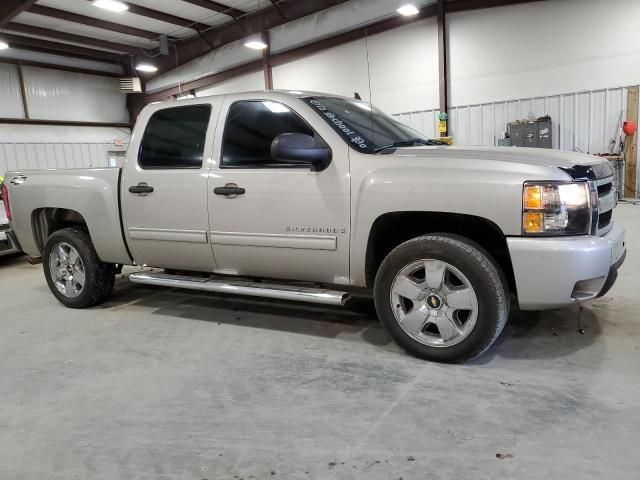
x=3, y=45
x=111, y=5
x=255, y=44
x=146, y=67
x=408, y=10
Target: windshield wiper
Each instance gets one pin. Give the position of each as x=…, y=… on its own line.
x=410, y=142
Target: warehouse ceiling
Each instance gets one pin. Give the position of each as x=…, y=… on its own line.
x=79, y=29
x=79, y=34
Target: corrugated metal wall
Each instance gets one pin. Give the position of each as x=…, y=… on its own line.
x=582, y=121
x=24, y=156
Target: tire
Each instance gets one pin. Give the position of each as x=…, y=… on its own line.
x=463, y=317
x=97, y=277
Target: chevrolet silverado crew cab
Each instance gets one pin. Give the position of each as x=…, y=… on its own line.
x=310, y=196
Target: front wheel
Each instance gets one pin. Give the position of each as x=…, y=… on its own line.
x=75, y=274
x=441, y=297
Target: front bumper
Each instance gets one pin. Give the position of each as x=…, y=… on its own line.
x=560, y=271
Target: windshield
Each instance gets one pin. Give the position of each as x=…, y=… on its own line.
x=365, y=127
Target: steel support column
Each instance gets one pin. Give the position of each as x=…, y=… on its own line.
x=442, y=63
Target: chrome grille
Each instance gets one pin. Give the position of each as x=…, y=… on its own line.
x=606, y=203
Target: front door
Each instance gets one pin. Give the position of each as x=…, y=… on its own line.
x=164, y=189
x=287, y=220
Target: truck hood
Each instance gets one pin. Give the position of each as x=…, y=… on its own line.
x=579, y=165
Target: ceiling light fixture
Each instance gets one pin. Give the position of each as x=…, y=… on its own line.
x=255, y=42
x=3, y=45
x=408, y=10
x=146, y=67
x=111, y=5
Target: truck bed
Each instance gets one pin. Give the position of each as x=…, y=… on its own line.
x=93, y=193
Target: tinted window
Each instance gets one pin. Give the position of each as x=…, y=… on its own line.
x=174, y=138
x=365, y=127
x=250, y=130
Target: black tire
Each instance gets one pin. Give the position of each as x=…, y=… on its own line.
x=485, y=277
x=99, y=276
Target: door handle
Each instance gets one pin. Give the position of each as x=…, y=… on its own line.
x=229, y=189
x=141, y=189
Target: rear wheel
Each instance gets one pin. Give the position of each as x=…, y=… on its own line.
x=441, y=297
x=74, y=273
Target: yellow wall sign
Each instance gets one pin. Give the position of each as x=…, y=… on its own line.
x=442, y=126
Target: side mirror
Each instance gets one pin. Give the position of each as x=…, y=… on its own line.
x=300, y=148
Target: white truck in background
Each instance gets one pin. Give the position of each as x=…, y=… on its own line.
x=310, y=196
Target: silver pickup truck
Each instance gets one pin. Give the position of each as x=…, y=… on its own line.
x=312, y=197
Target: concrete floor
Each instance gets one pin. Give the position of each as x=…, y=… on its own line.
x=165, y=384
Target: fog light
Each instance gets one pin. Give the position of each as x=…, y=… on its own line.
x=533, y=222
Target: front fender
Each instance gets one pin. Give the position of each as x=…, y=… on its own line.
x=486, y=189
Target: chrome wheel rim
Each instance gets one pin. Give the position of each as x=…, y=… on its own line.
x=67, y=270
x=434, y=303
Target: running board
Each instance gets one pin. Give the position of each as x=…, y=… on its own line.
x=243, y=287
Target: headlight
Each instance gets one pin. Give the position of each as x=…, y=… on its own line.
x=551, y=208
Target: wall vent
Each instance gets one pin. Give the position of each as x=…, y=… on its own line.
x=130, y=85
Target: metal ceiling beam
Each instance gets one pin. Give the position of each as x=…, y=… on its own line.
x=324, y=44
x=71, y=37
x=277, y=7
x=293, y=54
x=165, y=17
x=253, y=23
x=55, y=48
x=92, y=22
x=216, y=7
x=53, y=66
x=247, y=68
x=453, y=6
x=13, y=8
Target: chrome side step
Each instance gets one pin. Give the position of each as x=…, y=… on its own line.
x=243, y=287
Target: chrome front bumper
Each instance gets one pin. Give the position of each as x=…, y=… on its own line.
x=560, y=271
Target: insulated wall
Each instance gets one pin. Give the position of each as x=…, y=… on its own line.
x=63, y=96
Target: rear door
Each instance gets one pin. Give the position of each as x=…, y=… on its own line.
x=292, y=221
x=164, y=187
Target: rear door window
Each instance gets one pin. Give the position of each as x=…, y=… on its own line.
x=175, y=138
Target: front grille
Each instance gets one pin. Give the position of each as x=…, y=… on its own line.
x=604, y=219
x=605, y=206
x=604, y=189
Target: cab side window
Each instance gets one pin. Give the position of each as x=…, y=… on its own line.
x=251, y=128
x=174, y=138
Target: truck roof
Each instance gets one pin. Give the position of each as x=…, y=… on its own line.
x=258, y=93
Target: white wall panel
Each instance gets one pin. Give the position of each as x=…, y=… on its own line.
x=542, y=48
x=246, y=83
x=60, y=95
x=396, y=84
x=341, y=70
x=10, y=96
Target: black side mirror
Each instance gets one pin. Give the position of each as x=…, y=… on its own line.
x=300, y=148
